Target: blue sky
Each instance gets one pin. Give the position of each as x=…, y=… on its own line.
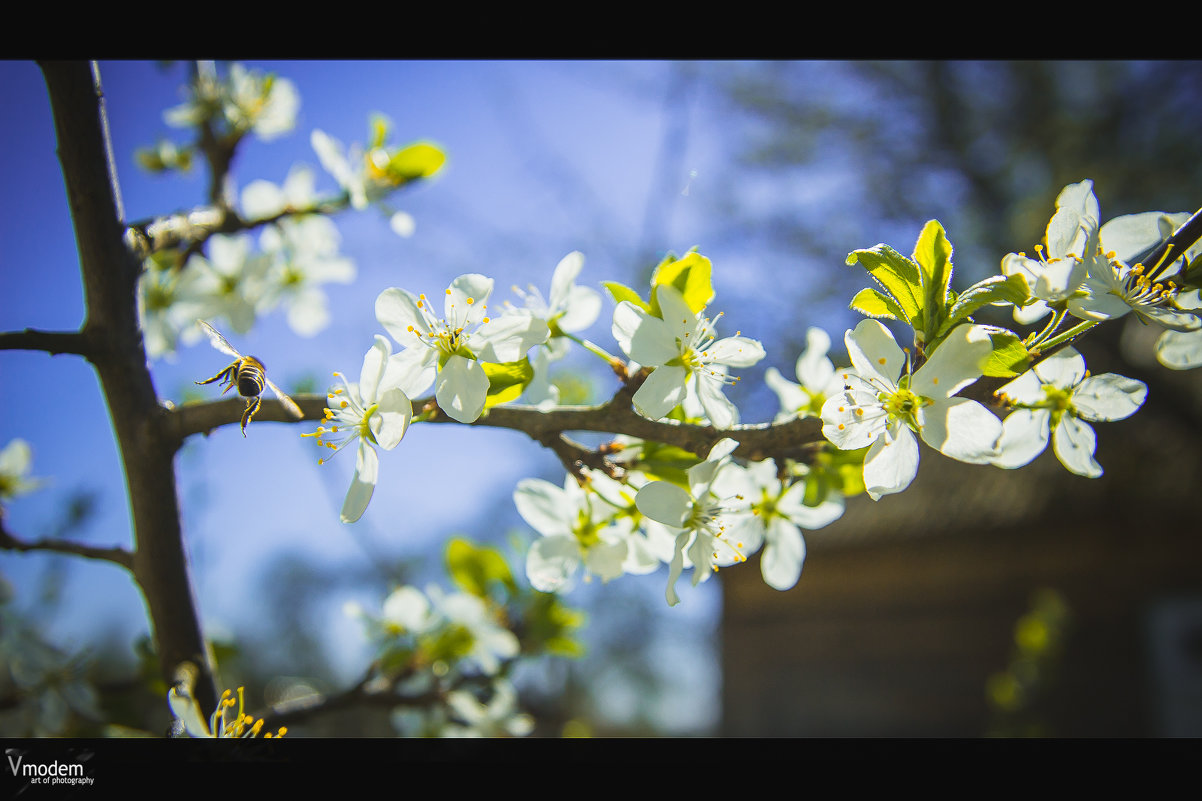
x=544, y=158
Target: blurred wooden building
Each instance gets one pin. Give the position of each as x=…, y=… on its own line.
x=904, y=621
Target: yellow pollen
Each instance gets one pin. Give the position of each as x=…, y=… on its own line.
x=448, y=290
x=859, y=411
x=486, y=319
x=842, y=408
x=881, y=360
x=935, y=380
x=841, y=426
x=470, y=301
x=343, y=404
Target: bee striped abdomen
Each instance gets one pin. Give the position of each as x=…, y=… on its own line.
x=250, y=377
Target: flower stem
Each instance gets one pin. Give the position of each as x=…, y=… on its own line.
x=593, y=348
x=1057, y=319
x=1069, y=335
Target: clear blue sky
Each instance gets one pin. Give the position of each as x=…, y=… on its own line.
x=544, y=158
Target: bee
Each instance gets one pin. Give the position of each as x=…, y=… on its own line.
x=247, y=373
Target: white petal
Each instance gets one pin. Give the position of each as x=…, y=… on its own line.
x=374, y=364
x=362, y=485
x=675, y=567
x=874, y=353
x=676, y=314
x=407, y=607
x=399, y=312
x=792, y=506
x=889, y=467
x=461, y=389
x=1074, y=443
x=1024, y=436
x=646, y=339
x=665, y=503
x=781, y=562
x=391, y=419
x=813, y=369
x=955, y=364
x=662, y=392
x=509, y=337
x=1109, y=397
x=792, y=396
x=853, y=419
x=1180, y=350
x=735, y=352
x=962, y=429
x=564, y=278
x=466, y=299
x=605, y=560
x=402, y=224
x=412, y=370
x=544, y=506
x=580, y=310
x=552, y=562
x=1065, y=368
x=721, y=412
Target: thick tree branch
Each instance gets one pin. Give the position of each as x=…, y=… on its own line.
x=794, y=439
x=110, y=272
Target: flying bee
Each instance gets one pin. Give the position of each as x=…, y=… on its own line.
x=247, y=373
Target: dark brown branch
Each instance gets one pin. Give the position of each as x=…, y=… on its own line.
x=110, y=272
x=118, y=556
x=793, y=439
x=53, y=342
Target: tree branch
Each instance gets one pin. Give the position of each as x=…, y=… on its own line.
x=118, y=556
x=53, y=342
x=110, y=273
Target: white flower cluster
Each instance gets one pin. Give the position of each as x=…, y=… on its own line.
x=296, y=256
x=447, y=637
x=244, y=101
x=727, y=513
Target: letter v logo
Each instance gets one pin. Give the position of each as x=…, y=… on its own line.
x=14, y=766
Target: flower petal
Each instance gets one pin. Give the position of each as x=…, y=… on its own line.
x=874, y=353
x=890, y=466
x=391, y=419
x=783, y=556
x=362, y=485
x=955, y=364
x=399, y=311
x=665, y=503
x=662, y=392
x=552, y=562
x=1109, y=397
x=1074, y=442
x=1024, y=436
x=461, y=389
x=962, y=429
x=544, y=506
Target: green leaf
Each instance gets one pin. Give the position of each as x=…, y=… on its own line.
x=1009, y=357
x=995, y=289
x=897, y=275
x=667, y=462
x=506, y=380
x=873, y=303
x=933, y=253
x=691, y=276
x=621, y=292
x=474, y=568
x=419, y=160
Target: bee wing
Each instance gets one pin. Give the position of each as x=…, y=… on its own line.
x=287, y=402
x=219, y=342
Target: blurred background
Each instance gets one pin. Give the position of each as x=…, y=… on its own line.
x=1014, y=603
